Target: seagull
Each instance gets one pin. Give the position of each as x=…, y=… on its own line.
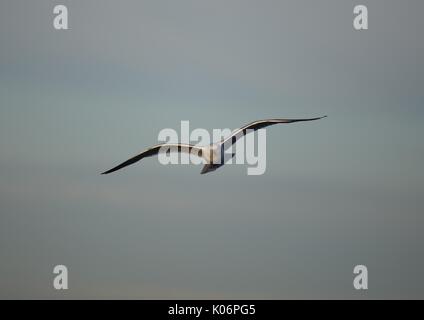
x=212, y=152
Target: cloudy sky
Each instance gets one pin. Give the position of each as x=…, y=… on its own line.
x=338, y=192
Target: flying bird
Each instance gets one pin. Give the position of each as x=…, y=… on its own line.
x=213, y=154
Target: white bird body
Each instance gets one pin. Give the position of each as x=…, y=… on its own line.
x=210, y=153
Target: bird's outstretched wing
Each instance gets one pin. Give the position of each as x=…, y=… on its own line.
x=259, y=124
x=178, y=147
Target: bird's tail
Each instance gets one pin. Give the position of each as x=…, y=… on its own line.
x=209, y=168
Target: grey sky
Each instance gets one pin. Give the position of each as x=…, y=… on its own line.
x=338, y=192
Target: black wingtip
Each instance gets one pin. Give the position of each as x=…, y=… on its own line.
x=319, y=118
